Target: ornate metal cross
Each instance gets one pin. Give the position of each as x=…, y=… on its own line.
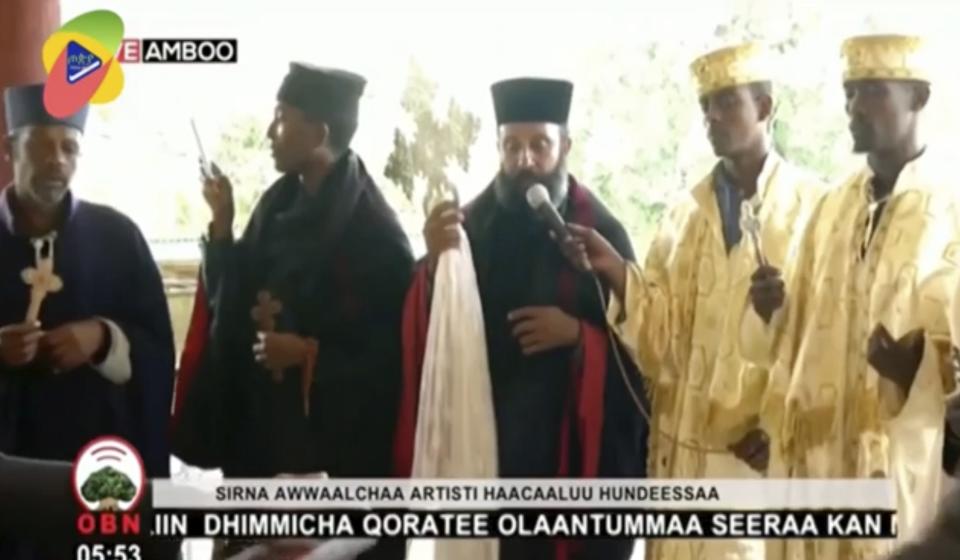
x=750, y=225
x=263, y=314
x=41, y=278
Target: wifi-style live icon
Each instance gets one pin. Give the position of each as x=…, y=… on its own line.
x=108, y=475
x=80, y=62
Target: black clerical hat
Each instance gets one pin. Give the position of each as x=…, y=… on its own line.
x=24, y=107
x=532, y=100
x=322, y=93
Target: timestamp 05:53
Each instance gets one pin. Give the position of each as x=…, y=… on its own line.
x=116, y=551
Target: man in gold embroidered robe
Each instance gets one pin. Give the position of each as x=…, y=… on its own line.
x=859, y=350
x=676, y=314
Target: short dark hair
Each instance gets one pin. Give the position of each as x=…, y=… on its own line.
x=761, y=88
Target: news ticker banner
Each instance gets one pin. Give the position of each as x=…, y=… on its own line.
x=552, y=523
x=516, y=508
x=109, y=482
x=485, y=494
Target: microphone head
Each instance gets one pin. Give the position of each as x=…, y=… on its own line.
x=537, y=196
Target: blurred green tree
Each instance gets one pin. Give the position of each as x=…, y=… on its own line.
x=241, y=153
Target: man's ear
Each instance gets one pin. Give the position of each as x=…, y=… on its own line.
x=921, y=96
x=323, y=133
x=565, y=144
x=765, y=107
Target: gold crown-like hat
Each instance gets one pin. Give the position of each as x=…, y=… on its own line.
x=732, y=66
x=887, y=57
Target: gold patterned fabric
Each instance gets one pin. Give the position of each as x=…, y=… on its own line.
x=887, y=57
x=838, y=417
x=732, y=66
x=679, y=323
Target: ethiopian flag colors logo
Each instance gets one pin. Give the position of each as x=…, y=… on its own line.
x=80, y=64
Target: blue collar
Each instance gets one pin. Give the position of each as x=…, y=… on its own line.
x=728, y=202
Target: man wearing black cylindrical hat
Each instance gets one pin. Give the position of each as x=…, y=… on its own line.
x=301, y=370
x=560, y=402
x=86, y=345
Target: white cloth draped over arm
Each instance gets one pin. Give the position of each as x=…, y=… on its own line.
x=456, y=431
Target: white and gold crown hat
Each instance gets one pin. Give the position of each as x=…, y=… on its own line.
x=742, y=64
x=887, y=57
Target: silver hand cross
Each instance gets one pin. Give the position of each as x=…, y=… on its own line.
x=750, y=226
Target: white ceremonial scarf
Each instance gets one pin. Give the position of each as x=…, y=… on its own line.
x=456, y=431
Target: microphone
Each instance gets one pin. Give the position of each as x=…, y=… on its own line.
x=539, y=200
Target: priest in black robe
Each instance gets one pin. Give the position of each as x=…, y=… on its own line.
x=86, y=344
x=561, y=402
x=301, y=370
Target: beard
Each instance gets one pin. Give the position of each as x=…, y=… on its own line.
x=47, y=195
x=511, y=190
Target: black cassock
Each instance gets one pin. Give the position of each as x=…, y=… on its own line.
x=339, y=263
x=561, y=413
x=107, y=271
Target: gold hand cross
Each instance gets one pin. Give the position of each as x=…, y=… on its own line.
x=41, y=278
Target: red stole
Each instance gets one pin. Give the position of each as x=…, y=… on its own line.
x=584, y=409
x=193, y=348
